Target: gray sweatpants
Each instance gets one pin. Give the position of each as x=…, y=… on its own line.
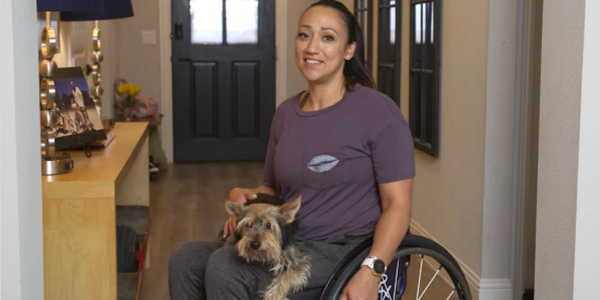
x=207, y=270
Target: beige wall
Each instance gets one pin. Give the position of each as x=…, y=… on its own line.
x=139, y=63
x=448, y=190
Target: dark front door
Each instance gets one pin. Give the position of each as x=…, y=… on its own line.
x=223, y=78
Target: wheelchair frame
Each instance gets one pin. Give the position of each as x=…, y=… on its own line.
x=411, y=244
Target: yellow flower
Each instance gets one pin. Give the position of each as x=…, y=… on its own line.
x=122, y=89
x=128, y=88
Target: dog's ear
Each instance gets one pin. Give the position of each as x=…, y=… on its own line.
x=290, y=209
x=233, y=208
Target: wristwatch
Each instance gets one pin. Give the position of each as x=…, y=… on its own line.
x=376, y=265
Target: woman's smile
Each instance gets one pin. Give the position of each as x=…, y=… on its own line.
x=312, y=62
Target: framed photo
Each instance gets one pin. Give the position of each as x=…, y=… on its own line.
x=78, y=122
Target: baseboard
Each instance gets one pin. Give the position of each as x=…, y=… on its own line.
x=495, y=289
x=482, y=289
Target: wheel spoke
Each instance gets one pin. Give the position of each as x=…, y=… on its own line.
x=420, y=272
x=430, y=281
x=452, y=293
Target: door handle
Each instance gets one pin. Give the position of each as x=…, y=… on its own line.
x=179, y=31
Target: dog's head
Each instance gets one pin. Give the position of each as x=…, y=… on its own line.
x=261, y=228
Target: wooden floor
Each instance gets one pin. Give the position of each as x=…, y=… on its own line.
x=186, y=204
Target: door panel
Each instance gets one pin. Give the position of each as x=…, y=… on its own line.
x=223, y=78
x=246, y=100
x=205, y=113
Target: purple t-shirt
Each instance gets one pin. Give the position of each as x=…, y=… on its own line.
x=335, y=157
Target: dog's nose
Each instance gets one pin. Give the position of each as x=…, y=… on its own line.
x=255, y=245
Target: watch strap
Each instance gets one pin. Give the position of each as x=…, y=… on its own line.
x=368, y=261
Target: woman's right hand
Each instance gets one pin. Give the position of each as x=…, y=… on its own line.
x=240, y=196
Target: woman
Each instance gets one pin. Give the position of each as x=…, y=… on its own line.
x=344, y=147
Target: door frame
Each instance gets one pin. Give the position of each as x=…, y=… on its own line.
x=526, y=153
x=166, y=71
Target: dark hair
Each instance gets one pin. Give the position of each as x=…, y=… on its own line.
x=355, y=70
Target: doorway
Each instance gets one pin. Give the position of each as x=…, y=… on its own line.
x=223, y=64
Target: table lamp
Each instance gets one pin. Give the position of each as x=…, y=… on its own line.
x=52, y=165
x=112, y=9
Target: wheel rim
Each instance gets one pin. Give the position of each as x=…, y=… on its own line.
x=431, y=276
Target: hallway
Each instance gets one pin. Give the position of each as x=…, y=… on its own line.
x=186, y=205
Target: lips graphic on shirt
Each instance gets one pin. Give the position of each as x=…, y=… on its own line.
x=322, y=163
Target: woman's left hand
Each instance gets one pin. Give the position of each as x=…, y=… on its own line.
x=363, y=286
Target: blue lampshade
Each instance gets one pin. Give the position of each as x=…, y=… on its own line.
x=113, y=9
x=69, y=5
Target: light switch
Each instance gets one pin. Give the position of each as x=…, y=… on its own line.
x=148, y=37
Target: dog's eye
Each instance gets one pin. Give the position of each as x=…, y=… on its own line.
x=268, y=225
x=249, y=225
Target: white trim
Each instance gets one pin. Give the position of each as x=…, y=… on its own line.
x=495, y=289
x=166, y=78
x=521, y=144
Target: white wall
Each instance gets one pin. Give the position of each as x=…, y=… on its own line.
x=587, y=241
x=20, y=161
x=567, y=221
x=139, y=63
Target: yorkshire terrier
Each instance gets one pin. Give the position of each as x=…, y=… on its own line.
x=266, y=233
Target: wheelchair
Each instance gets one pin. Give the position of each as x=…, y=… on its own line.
x=394, y=283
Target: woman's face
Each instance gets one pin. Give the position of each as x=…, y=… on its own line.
x=321, y=44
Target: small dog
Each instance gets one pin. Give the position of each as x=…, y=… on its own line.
x=266, y=233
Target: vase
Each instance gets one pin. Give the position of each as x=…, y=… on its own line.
x=127, y=113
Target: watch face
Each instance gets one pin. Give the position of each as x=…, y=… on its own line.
x=379, y=266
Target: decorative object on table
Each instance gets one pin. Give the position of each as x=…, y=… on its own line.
x=48, y=118
x=54, y=23
x=146, y=110
x=111, y=9
x=130, y=93
x=49, y=46
x=78, y=121
x=130, y=104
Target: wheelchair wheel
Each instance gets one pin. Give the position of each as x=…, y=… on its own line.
x=433, y=275
x=430, y=271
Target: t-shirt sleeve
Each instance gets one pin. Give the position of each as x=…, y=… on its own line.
x=269, y=167
x=392, y=153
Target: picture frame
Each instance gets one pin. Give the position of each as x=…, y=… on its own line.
x=78, y=121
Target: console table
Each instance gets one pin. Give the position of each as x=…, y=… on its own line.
x=80, y=260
